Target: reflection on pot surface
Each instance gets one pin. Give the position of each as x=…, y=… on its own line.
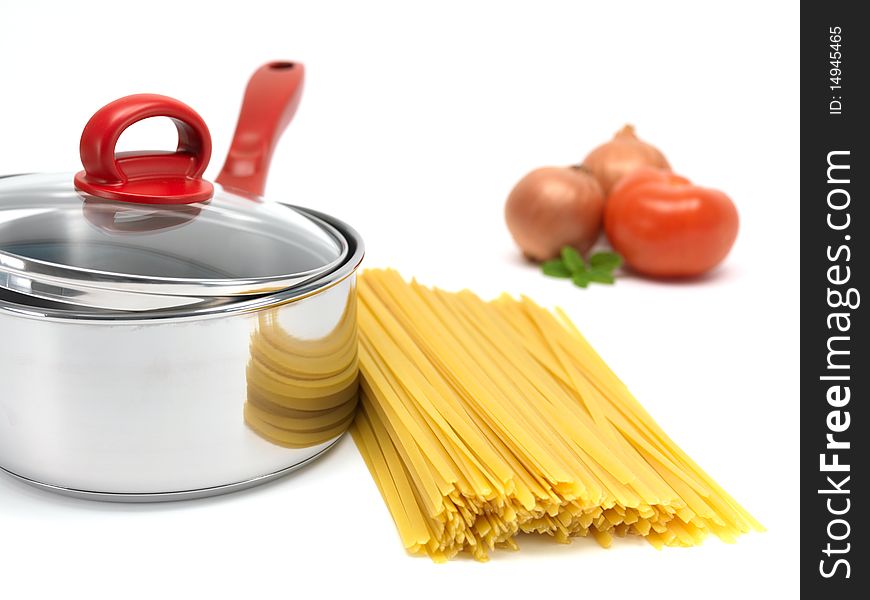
x=116, y=217
x=154, y=409
x=302, y=387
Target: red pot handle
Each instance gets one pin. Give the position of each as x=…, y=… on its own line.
x=145, y=177
x=271, y=100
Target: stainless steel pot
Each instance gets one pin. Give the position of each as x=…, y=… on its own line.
x=162, y=337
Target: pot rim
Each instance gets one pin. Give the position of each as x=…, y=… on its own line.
x=355, y=254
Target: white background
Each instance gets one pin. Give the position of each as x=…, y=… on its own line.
x=415, y=124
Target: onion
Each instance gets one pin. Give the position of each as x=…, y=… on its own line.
x=615, y=159
x=554, y=207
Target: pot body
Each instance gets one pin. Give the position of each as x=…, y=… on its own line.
x=161, y=409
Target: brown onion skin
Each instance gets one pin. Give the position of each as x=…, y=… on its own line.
x=552, y=207
x=613, y=160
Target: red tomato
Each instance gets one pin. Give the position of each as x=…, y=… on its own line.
x=664, y=226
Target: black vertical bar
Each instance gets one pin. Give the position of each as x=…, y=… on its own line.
x=834, y=369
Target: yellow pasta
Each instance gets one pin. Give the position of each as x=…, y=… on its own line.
x=480, y=420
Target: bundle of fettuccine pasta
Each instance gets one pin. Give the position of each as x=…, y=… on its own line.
x=480, y=420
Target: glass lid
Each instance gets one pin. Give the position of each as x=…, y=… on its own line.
x=61, y=244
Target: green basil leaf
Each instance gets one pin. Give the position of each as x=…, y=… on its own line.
x=605, y=261
x=600, y=276
x=581, y=279
x=573, y=260
x=556, y=268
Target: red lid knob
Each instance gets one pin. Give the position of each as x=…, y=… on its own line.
x=145, y=177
